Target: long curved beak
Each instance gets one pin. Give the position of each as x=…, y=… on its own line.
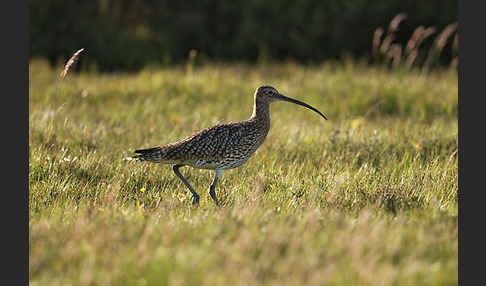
x=285, y=98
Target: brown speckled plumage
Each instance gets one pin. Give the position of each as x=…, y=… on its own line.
x=221, y=147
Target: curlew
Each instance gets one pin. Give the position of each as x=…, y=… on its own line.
x=222, y=147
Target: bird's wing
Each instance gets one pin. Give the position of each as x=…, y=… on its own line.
x=208, y=144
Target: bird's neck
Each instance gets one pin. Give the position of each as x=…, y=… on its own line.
x=261, y=113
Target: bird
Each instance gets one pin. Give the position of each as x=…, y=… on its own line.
x=221, y=147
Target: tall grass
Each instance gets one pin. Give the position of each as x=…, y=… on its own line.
x=386, y=50
x=368, y=197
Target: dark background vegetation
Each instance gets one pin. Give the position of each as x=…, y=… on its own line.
x=128, y=35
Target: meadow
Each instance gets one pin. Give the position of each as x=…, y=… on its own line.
x=368, y=197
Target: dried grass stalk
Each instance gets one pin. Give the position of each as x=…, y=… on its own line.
x=444, y=35
x=415, y=38
x=395, y=53
x=439, y=44
x=455, y=43
x=70, y=63
x=396, y=21
x=418, y=36
x=376, y=40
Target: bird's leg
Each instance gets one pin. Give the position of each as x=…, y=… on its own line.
x=195, y=196
x=213, y=185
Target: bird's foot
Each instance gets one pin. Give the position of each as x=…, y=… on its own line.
x=195, y=200
x=217, y=203
x=213, y=196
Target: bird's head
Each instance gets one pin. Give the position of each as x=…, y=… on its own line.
x=268, y=94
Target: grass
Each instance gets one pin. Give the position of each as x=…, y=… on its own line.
x=368, y=197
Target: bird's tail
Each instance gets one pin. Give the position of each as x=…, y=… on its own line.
x=151, y=154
